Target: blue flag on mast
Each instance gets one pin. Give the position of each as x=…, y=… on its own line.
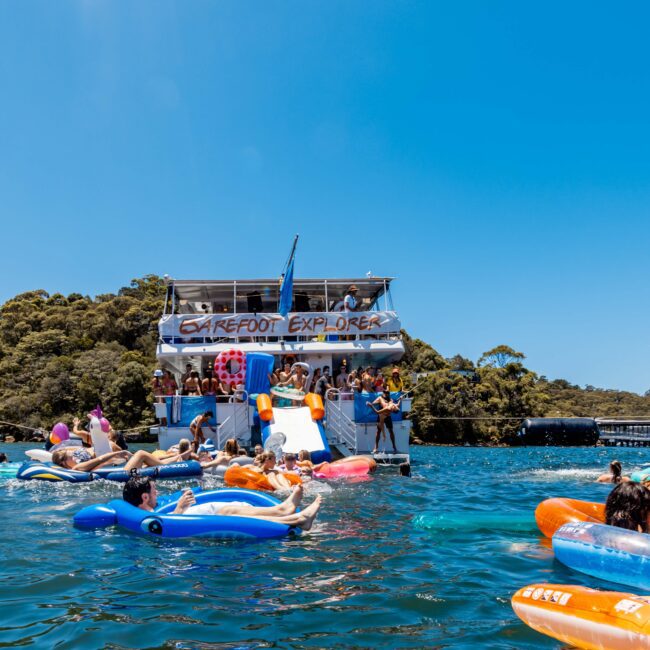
x=286, y=283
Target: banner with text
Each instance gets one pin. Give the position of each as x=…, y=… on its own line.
x=301, y=324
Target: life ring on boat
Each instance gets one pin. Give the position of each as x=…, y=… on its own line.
x=246, y=477
x=553, y=513
x=223, y=366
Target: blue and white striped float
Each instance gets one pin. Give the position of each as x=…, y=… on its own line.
x=37, y=471
x=162, y=523
x=606, y=552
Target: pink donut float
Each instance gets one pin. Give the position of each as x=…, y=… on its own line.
x=230, y=366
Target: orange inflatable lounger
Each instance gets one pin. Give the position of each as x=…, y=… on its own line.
x=245, y=477
x=586, y=618
x=553, y=513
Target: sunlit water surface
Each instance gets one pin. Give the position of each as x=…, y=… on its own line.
x=430, y=561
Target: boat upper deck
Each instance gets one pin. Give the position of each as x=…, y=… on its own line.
x=202, y=317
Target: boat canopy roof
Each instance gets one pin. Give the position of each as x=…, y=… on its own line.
x=218, y=290
x=319, y=293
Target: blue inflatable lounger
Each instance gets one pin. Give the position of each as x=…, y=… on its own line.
x=37, y=471
x=614, y=554
x=162, y=523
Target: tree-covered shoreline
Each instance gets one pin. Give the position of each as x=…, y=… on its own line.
x=60, y=354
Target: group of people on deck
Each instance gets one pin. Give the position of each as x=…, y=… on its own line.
x=192, y=384
x=369, y=379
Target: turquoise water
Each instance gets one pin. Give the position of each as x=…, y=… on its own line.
x=392, y=562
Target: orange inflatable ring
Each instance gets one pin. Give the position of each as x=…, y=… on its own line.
x=586, y=618
x=553, y=513
x=246, y=477
x=226, y=373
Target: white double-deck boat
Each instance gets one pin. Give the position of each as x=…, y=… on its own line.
x=203, y=318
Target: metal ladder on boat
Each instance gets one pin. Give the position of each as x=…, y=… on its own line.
x=238, y=421
x=341, y=430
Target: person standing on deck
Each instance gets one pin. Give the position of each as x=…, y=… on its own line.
x=324, y=383
x=296, y=380
x=395, y=383
x=185, y=376
x=350, y=299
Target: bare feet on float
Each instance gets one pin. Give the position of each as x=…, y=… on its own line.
x=309, y=513
x=296, y=495
x=291, y=503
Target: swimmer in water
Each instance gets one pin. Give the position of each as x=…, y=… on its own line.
x=615, y=474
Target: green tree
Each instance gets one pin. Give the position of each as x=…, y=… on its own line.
x=500, y=356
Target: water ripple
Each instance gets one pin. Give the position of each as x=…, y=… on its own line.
x=430, y=561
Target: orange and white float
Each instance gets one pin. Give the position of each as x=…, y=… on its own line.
x=553, y=513
x=247, y=477
x=586, y=618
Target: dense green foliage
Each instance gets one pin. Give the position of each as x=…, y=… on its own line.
x=459, y=401
x=60, y=355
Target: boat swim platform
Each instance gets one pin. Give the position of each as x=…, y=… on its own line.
x=383, y=458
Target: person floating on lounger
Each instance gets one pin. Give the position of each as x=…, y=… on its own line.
x=84, y=460
x=141, y=492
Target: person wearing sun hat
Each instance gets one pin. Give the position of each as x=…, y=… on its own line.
x=395, y=383
x=157, y=385
x=350, y=299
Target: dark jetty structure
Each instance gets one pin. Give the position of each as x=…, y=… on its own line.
x=567, y=432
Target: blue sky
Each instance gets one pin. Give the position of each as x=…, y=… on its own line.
x=492, y=156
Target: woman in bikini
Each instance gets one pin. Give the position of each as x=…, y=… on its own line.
x=169, y=384
x=209, y=385
x=274, y=476
x=193, y=384
x=230, y=451
x=384, y=420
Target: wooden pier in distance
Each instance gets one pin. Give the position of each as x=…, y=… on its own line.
x=624, y=433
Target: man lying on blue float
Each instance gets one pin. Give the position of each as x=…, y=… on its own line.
x=224, y=513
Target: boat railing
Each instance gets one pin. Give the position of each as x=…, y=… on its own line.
x=238, y=420
x=220, y=437
x=343, y=428
x=206, y=340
